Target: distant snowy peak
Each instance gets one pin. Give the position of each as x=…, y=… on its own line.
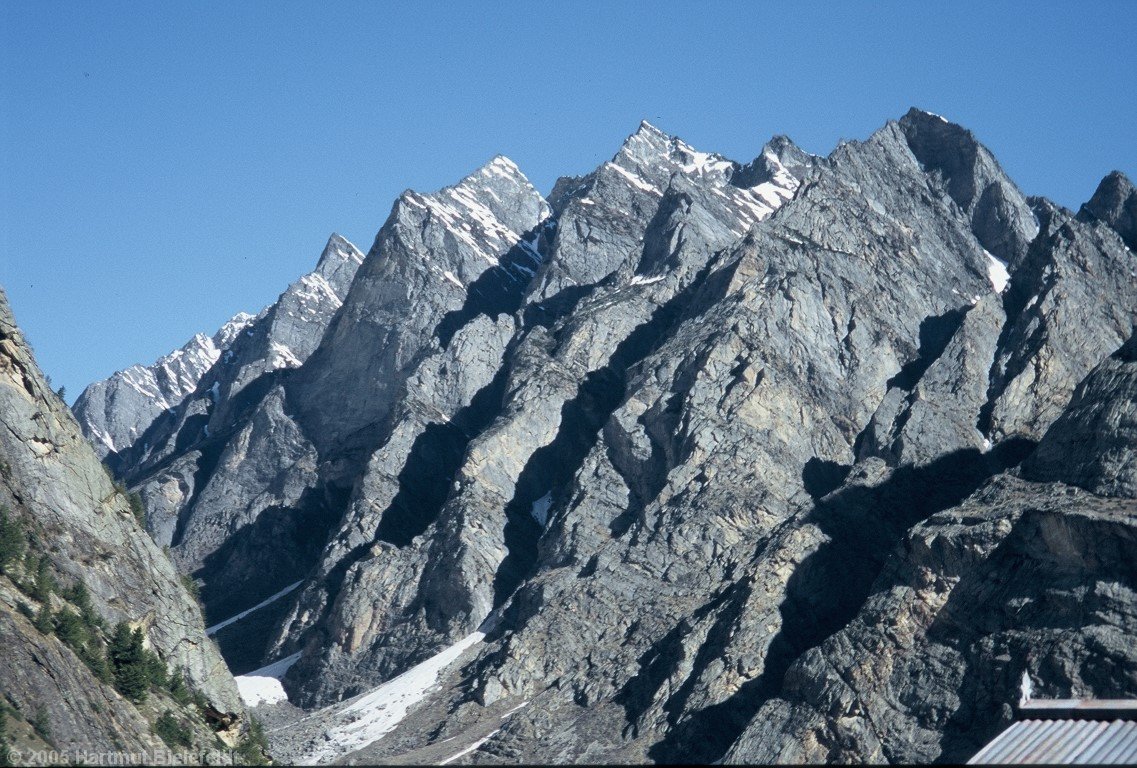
x=653, y=153
x=173, y=376
x=114, y=412
x=483, y=217
x=338, y=263
x=286, y=332
x=649, y=157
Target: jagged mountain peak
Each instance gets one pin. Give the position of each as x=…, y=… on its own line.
x=649, y=148
x=489, y=210
x=1001, y=218
x=338, y=262
x=499, y=176
x=1115, y=203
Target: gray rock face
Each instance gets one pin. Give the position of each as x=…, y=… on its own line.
x=1019, y=578
x=1093, y=444
x=672, y=207
x=426, y=264
x=685, y=439
x=51, y=481
x=1073, y=277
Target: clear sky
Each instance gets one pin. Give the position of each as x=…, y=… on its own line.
x=166, y=165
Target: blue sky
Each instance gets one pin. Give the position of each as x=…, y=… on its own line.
x=166, y=165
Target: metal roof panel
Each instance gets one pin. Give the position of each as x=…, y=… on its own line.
x=1063, y=741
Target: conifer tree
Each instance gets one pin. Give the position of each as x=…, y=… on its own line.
x=12, y=540
x=129, y=663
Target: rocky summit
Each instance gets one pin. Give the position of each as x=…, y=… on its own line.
x=798, y=459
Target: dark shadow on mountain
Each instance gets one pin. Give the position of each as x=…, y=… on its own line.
x=657, y=663
x=863, y=525
x=424, y=482
x=935, y=333
x=546, y=313
x=820, y=477
x=118, y=461
x=552, y=467
x=280, y=547
x=498, y=290
x=192, y=430
x=434, y=460
x=209, y=454
x=245, y=644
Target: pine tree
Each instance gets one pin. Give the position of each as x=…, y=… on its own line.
x=12, y=540
x=129, y=663
x=96, y=660
x=174, y=732
x=136, y=507
x=81, y=599
x=70, y=629
x=41, y=724
x=253, y=746
x=44, y=621
x=178, y=688
x=44, y=583
x=156, y=672
x=5, y=752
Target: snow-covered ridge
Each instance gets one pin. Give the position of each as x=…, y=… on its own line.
x=173, y=376
x=166, y=381
x=649, y=156
x=472, y=211
x=115, y=412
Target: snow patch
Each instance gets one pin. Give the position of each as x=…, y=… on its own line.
x=375, y=714
x=540, y=509
x=453, y=278
x=262, y=686
x=221, y=625
x=634, y=179
x=997, y=272
x=482, y=740
x=103, y=438
x=645, y=279
x=472, y=747
x=283, y=357
x=701, y=162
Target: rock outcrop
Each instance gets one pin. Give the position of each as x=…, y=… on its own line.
x=1028, y=575
x=67, y=524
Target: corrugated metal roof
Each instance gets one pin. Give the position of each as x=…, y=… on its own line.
x=1069, y=742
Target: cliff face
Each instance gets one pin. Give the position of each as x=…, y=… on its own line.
x=724, y=458
x=77, y=527
x=1030, y=574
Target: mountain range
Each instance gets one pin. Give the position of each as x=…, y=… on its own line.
x=801, y=459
